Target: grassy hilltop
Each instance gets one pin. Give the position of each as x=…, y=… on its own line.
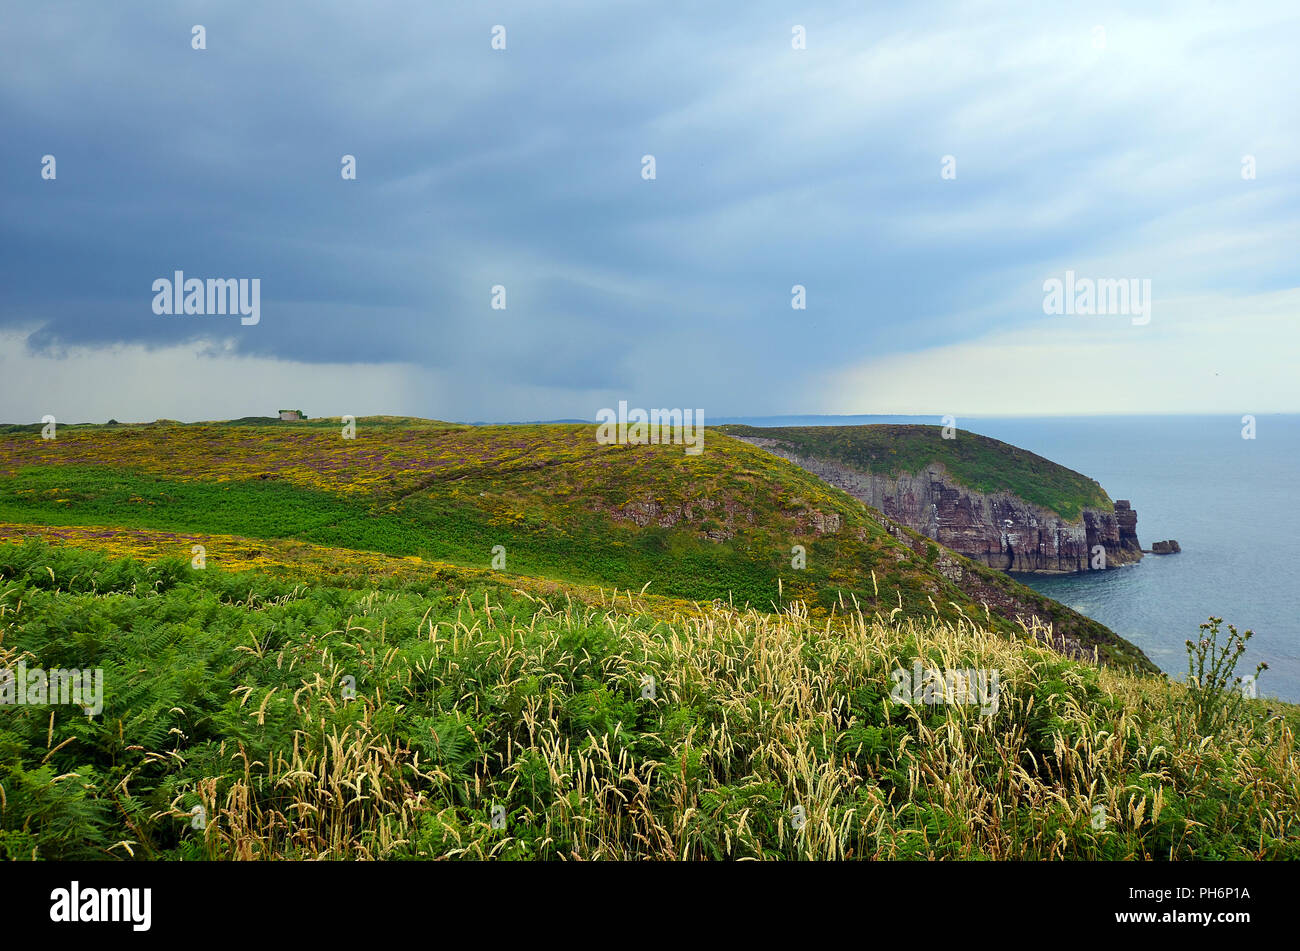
x=647, y=676
x=720, y=525
x=978, y=462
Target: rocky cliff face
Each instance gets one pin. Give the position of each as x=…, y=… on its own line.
x=1001, y=530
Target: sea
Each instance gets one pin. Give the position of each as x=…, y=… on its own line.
x=1229, y=501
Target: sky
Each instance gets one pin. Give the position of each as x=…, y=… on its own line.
x=921, y=170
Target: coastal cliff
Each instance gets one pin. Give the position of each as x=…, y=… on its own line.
x=997, y=528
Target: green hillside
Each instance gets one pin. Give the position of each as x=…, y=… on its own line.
x=346, y=674
x=721, y=525
x=435, y=714
x=977, y=462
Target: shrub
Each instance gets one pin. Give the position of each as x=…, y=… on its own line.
x=1215, y=693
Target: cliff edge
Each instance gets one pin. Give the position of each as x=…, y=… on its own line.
x=996, y=504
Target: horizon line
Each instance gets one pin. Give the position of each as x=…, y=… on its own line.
x=721, y=420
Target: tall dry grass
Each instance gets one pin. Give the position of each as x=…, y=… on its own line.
x=753, y=715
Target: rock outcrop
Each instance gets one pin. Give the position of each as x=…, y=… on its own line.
x=1169, y=547
x=1000, y=530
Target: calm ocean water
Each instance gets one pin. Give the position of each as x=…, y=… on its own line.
x=1230, y=503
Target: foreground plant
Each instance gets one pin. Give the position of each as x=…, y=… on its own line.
x=1215, y=694
x=249, y=717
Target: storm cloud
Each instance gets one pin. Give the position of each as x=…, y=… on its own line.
x=1107, y=142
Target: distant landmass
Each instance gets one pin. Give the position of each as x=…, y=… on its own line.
x=986, y=499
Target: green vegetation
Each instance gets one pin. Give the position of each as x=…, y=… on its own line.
x=318, y=720
x=977, y=462
x=343, y=672
x=1215, y=692
x=721, y=525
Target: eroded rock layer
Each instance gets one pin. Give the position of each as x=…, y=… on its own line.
x=1000, y=530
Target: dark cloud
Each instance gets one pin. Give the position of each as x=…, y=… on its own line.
x=522, y=168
